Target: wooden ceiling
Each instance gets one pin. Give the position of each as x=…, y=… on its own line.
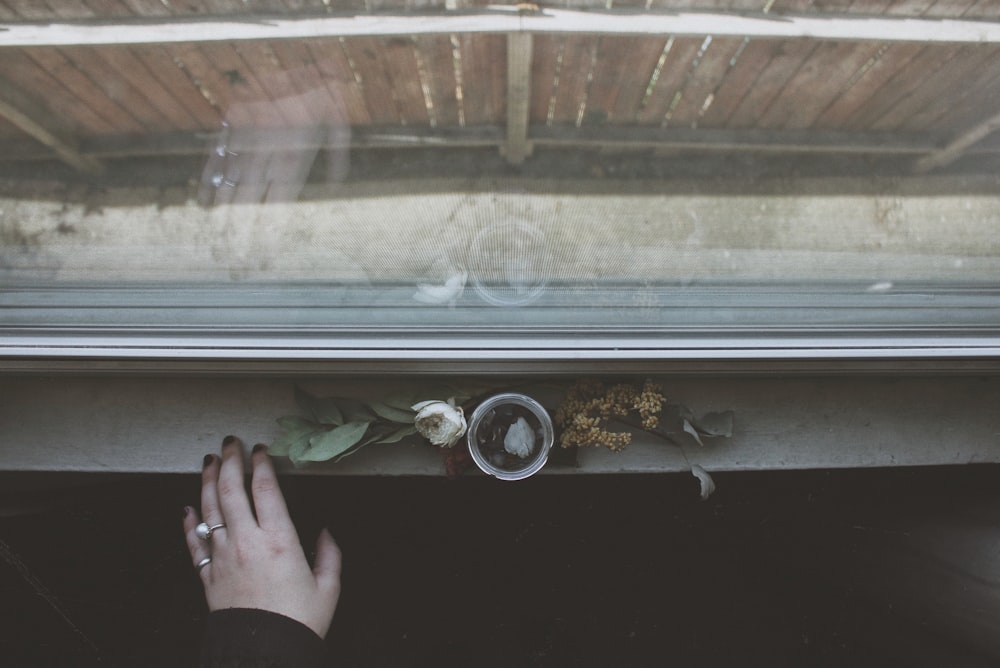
x=918, y=78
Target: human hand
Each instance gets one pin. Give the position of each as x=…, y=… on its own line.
x=258, y=562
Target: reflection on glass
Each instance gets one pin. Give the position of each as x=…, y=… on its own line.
x=423, y=169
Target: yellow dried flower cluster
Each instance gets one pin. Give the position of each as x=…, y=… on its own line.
x=589, y=405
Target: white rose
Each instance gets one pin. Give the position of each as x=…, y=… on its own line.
x=440, y=422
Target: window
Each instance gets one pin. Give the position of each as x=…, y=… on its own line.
x=401, y=185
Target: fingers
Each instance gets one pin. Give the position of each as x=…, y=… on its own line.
x=232, y=496
x=198, y=548
x=272, y=513
x=210, y=511
x=328, y=562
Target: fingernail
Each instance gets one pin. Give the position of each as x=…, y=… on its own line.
x=208, y=460
x=187, y=511
x=228, y=440
x=259, y=447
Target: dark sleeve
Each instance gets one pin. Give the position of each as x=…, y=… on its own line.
x=244, y=638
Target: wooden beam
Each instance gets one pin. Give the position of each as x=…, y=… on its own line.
x=35, y=120
x=517, y=146
x=958, y=147
x=504, y=19
x=626, y=139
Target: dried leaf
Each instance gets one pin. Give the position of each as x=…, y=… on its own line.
x=707, y=484
x=715, y=424
x=689, y=428
x=392, y=414
x=330, y=444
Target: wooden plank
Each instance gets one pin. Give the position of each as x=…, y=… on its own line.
x=612, y=63
x=504, y=20
x=698, y=91
x=176, y=81
x=37, y=121
x=974, y=95
x=495, y=49
x=949, y=8
x=46, y=70
x=881, y=69
x=484, y=64
x=948, y=82
x=403, y=75
x=115, y=87
x=324, y=107
x=817, y=83
x=335, y=70
x=247, y=98
x=785, y=62
x=909, y=8
x=923, y=66
x=134, y=72
x=958, y=146
x=6, y=13
x=364, y=54
x=30, y=10
x=969, y=109
x=577, y=56
x=154, y=8
x=10, y=134
x=738, y=82
x=274, y=82
x=207, y=75
x=565, y=136
x=543, y=75
x=621, y=77
x=107, y=9
x=670, y=80
x=516, y=147
x=436, y=54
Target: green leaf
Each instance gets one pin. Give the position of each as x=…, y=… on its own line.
x=328, y=412
x=403, y=416
x=289, y=442
x=306, y=402
x=334, y=442
x=354, y=410
x=299, y=448
x=296, y=424
x=397, y=435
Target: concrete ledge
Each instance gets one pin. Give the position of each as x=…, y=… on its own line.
x=166, y=425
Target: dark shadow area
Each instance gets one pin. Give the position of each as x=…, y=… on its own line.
x=820, y=568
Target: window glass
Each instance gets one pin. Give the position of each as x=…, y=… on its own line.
x=630, y=168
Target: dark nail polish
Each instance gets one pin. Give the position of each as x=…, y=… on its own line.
x=228, y=440
x=208, y=460
x=260, y=446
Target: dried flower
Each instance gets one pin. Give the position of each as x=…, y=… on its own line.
x=440, y=422
x=589, y=406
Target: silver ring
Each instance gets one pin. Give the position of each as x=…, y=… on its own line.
x=204, y=562
x=204, y=531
